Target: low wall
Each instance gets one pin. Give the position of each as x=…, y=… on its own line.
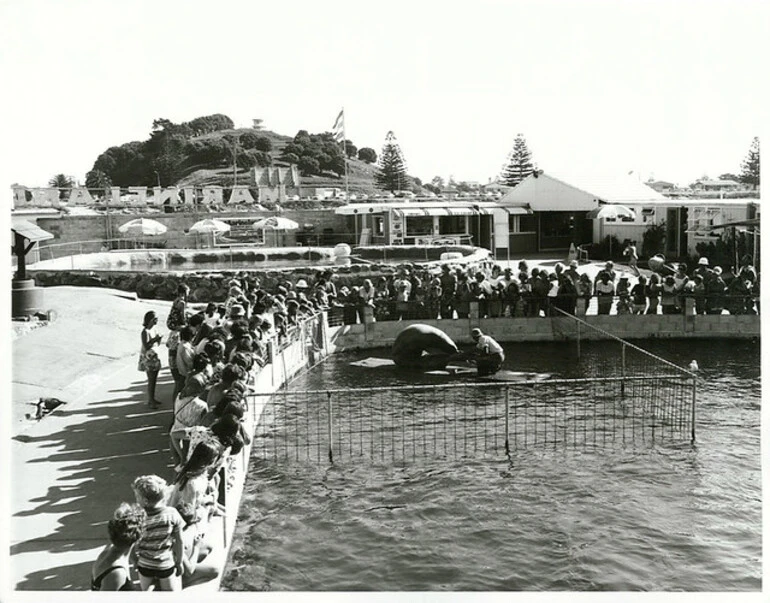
x=284, y=365
x=211, y=285
x=382, y=334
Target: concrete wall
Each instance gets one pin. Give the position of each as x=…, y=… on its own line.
x=382, y=334
x=74, y=229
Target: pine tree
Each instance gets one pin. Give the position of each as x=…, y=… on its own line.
x=391, y=166
x=519, y=163
x=750, y=165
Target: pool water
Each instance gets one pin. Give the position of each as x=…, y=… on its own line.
x=675, y=517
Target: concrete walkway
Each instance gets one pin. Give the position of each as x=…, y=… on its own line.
x=70, y=470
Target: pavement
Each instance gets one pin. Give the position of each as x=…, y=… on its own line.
x=71, y=469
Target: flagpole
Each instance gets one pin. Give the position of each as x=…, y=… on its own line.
x=345, y=156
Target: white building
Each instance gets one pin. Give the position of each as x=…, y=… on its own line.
x=559, y=208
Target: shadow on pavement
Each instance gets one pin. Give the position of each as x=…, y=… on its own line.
x=94, y=459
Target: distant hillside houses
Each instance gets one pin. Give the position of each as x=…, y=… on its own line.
x=706, y=184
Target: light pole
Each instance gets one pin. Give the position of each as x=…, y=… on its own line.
x=158, y=176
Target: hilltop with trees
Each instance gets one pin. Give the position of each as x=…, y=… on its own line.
x=210, y=150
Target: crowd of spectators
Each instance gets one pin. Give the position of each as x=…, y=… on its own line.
x=423, y=293
x=214, y=355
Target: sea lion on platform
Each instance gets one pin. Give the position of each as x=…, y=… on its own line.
x=423, y=347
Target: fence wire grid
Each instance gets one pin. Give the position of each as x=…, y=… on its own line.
x=631, y=398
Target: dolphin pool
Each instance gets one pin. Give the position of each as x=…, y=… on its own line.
x=676, y=517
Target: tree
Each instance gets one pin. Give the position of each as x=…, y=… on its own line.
x=519, y=163
x=750, y=165
x=391, y=168
x=63, y=183
x=98, y=180
x=367, y=154
x=60, y=181
x=729, y=176
x=350, y=149
x=437, y=182
x=315, y=153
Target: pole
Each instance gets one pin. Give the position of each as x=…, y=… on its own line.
x=329, y=426
x=345, y=156
x=694, y=391
x=623, y=370
x=507, y=431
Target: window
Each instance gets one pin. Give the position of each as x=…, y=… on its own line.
x=526, y=223
x=419, y=225
x=451, y=225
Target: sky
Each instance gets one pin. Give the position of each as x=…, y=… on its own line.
x=670, y=90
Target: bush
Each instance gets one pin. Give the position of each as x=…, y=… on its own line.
x=654, y=239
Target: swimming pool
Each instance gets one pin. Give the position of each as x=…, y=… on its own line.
x=670, y=518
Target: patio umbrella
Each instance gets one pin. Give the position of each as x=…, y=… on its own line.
x=209, y=225
x=142, y=227
x=276, y=222
x=611, y=211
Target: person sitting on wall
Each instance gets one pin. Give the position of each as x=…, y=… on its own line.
x=489, y=354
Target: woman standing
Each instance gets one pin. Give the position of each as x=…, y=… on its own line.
x=149, y=361
x=177, y=318
x=110, y=570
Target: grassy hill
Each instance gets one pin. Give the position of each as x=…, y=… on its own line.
x=360, y=173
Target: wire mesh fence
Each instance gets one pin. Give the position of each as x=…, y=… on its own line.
x=398, y=424
x=629, y=398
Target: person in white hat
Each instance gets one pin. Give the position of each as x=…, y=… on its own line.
x=703, y=269
x=489, y=354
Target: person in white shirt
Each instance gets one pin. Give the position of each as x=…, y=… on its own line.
x=489, y=354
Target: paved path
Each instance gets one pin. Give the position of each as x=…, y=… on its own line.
x=70, y=470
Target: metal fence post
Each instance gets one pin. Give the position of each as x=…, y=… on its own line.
x=507, y=431
x=623, y=370
x=329, y=426
x=694, y=392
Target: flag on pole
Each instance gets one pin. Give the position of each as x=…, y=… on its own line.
x=338, y=130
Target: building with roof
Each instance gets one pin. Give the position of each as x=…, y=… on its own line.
x=424, y=223
x=559, y=208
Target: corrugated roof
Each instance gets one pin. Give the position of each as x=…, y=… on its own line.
x=30, y=231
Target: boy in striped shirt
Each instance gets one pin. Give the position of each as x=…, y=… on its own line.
x=159, y=552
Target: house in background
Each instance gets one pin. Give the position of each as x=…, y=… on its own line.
x=707, y=185
x=557, y=208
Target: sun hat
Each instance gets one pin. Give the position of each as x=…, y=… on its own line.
x=476, y=333
x=301, y=284
x=717, y=270
x=704, y=261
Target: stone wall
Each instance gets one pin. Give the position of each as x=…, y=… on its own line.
x=382, y=334
x=206, y=286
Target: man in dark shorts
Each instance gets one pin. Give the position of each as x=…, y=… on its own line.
x=489, y=354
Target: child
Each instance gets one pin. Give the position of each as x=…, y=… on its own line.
x=160, y=551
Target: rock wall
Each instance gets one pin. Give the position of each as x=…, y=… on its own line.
x=206, y=286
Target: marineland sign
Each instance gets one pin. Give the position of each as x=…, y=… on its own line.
x=133, y=196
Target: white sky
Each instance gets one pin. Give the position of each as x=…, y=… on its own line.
x=668, y=89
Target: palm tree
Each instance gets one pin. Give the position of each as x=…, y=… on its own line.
x=62, y=182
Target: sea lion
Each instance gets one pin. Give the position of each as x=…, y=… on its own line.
x=423, y=347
